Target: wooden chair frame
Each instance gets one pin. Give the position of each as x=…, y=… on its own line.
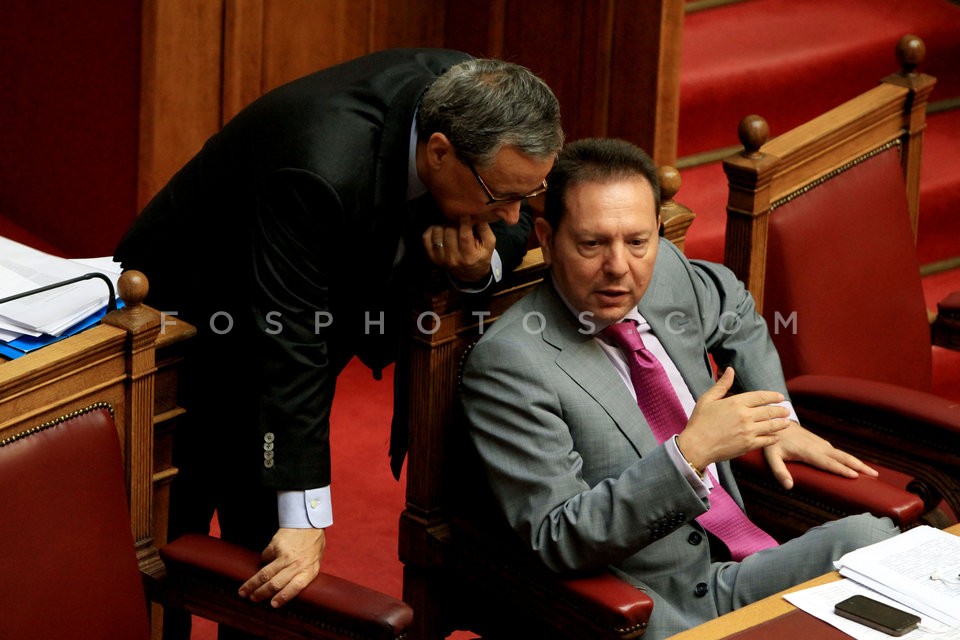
x=910, y=432
x=765, y=173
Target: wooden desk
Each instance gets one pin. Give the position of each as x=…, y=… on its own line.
x=130, y=362
x=759, y=612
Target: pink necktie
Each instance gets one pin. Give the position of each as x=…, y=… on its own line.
x=662, y=409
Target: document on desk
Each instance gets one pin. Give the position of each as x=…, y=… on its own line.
x=918, y=571
x=24, y=268
x=919, y=568
x=819, y=601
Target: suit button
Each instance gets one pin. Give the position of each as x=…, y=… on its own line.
x=695, y=538
x=268, y=463
x=268, y=437
x=700, y=590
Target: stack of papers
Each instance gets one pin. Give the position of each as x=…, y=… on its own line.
x=32, y=322
x=918, y=571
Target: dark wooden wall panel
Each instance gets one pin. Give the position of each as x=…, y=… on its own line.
x=69, y=73
x=610, y=62
x=104, y=101
x=301, y=36
x=180, y=93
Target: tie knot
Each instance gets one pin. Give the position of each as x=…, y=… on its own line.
x=625, y=334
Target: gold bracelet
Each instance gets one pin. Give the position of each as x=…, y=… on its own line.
x=695, y=470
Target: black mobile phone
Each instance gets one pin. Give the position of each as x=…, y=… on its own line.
x=877, y=615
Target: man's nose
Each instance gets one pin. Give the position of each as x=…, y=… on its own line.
x=616, y=260
x=508, y=212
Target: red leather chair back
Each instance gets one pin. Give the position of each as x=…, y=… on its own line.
x=67, y=558
x=841, y=257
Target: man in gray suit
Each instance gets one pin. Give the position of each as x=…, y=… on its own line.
x=575, y=463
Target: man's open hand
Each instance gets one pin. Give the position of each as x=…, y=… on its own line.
x=292, y=562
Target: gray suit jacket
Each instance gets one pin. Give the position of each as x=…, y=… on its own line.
x=569, y=456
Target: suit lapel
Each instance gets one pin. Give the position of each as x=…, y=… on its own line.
x=676, y=322
x=585, y=363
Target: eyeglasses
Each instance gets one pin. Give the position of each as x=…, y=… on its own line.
x=514, y=197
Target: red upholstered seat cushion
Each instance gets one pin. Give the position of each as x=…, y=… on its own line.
x=842, y=264
x=66, y=550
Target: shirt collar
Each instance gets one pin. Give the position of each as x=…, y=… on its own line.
x=415, y=186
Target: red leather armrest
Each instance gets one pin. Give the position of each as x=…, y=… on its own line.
x=626, y=606
x=603, y=604
x=884, y=404
x=862, y=494
x=328, y=599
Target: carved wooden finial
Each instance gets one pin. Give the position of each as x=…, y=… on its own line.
x=753, y=133
x=669, y=179
x=132, y=287
x=910, y=53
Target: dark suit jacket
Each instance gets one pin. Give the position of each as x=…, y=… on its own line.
x=295, y=207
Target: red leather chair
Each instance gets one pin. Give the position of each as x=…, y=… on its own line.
x=463, y=567
x=66, y=548
x=821, y=225
x=70, y=571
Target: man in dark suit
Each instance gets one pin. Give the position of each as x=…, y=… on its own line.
x=287, y=241
x=583, y=466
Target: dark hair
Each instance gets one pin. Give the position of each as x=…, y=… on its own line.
x=482, y=105
x=596, y=160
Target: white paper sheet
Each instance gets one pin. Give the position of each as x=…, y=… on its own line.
x=819, y=601
x=23, y=268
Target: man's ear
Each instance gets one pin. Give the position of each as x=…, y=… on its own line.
x=439, y=149
x=544, y=237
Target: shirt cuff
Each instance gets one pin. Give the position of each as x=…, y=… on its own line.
x=496, y=274
x=305, y=509
x=789, y=406
x=701, y=485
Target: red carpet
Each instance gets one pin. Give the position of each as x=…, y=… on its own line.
x=367, y=501
x=789, y=60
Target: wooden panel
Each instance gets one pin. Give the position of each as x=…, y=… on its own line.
x=302, y=36
x=644, y=100
x=242, y=54
x=549, y=38
x=406, y=23
x=613, y=64
x=475, y=27
x=527, y=32
x=180, y=86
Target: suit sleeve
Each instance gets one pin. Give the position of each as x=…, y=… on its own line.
x=293, y=251
x=523, y=430
x=734, y=332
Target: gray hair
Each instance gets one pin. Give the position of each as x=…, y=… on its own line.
x=482, y=105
